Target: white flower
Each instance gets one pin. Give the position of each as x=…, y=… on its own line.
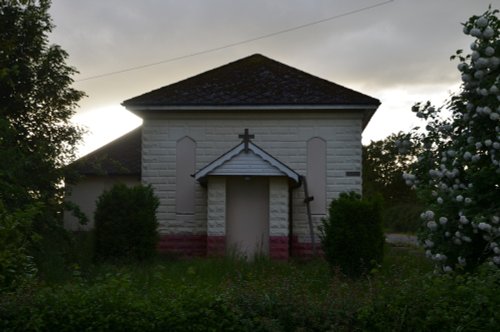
x=475, y=32
x=482, y=22
x=495, y=219
x=476, y=158
x=479, y=75
x=440, y=257
x=484, y=226
x=462, y=66
x=496, y=145
x=447, y=269
x=489, y=51
x=432, y=225
x=487, y=33
x=461, y=260
x=428, y=244
x=488, y=142
x=496, y=250
x=479, y=145
x=494, y=61
x=496, y=260
x=467, y=155
x=459, y=198
x=464, y=220
x=466, y=78
x=494, y=90
x=486, y=110
x=481, y=63
x=443, y=220
x=466, y=239
x=429, y=215
x=439, y=200
x=468, y=200
x=494, y=116
x=447, y=234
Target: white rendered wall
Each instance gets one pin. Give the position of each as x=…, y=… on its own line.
x=282, y=134
x=85, y=194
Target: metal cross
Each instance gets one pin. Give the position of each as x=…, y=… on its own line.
x=246, y=138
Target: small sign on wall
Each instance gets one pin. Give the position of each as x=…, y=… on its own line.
x=353, y=173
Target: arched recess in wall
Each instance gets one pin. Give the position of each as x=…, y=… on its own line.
x=185, y=184
x=316, y=174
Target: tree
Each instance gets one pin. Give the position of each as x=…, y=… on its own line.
x=36, y=136
x=458, y=171
x=383, y=169
x=36, y=104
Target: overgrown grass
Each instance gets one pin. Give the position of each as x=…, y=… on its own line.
x=230, y=294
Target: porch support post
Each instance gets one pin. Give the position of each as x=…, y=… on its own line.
x=278, y=217
x=216, y=216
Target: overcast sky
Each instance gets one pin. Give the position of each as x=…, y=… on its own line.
x=398, y=51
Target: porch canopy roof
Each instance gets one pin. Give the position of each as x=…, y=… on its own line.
x=246, y=159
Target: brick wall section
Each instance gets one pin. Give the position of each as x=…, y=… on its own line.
x=278, y=206
x=216, y=246
x=183, y=244
x=304, y=249
x=278, y=247
x=216, y=209
x=282, y=134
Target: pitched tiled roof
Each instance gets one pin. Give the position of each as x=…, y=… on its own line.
x=119, y=157
x=253, y=81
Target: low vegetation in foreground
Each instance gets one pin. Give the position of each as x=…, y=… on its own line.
x=232, y=295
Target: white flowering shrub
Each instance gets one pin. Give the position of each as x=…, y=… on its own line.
x=458, y=172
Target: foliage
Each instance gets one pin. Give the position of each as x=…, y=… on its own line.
x=222, y=294
x=383, y=169
x=436, y=303
x=352, y=237
x=16, y=265
x=117, y=304
x=384, y=165
x=36, y=136
x=36, y=104
x=125, y=223
x=458, y=172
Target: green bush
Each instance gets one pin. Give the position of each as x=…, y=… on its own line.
x=125, y=223
x=16, y=237
x=117, y=303
x=352, y=237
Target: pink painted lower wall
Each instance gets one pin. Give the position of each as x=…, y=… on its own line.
x=278, y=247
x=183, y=245
x=305, y=249
x=215, y=246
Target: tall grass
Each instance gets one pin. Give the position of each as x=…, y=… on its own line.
x=232, y=294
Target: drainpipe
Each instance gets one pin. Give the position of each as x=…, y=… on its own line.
x=291, y=188
x=307, y=200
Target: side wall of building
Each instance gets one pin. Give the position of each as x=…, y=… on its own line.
x=282, y=134
x=85, y=194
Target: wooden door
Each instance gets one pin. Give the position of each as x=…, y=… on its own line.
x=247, y=216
